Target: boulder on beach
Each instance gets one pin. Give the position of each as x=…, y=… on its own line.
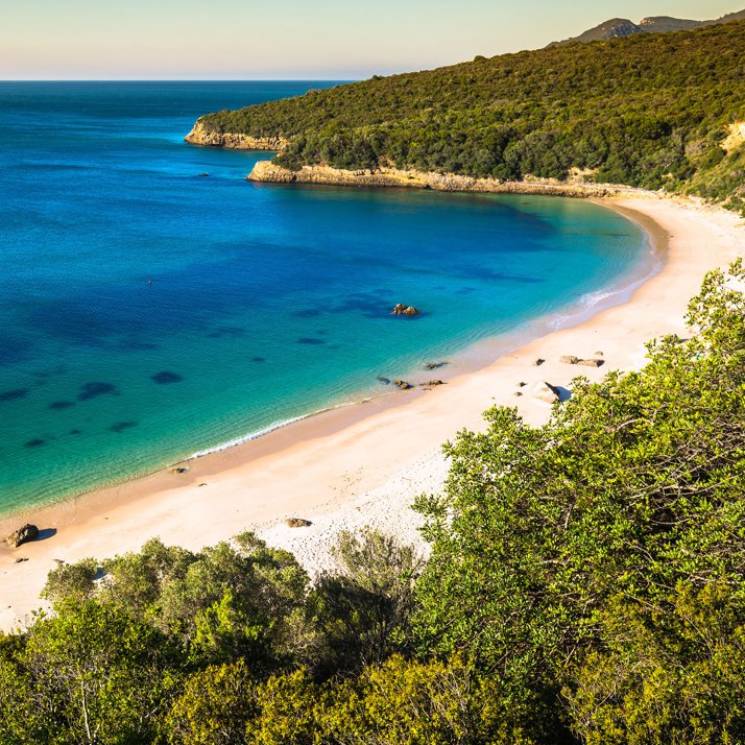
x=297, y=522
x=404, y=310
x=547, y=392
x=404, y=385
x=432, y=383
x=591, y=363
x=539, y=362
x=569, y=359
x=23, y=535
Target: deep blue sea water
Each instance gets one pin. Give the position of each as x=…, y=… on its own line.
x=148, y=311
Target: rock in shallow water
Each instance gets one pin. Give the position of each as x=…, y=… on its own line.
x=404, y=385
x=404, y=310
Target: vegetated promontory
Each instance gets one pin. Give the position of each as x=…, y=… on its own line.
x=652, y=111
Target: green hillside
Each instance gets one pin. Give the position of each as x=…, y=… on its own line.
x=649, y=111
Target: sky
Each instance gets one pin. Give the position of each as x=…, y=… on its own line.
x=291, y=39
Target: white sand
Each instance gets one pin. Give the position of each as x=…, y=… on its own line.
x=364, y=465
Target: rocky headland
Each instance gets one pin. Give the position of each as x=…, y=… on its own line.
x=266, y=171
x=203, y=134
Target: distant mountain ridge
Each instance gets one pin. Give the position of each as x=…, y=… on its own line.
x=617, y=28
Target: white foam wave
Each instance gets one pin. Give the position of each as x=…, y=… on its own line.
x=256, y=434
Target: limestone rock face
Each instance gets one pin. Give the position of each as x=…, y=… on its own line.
x=203, y=134
x=269, y=172
x=23, y=535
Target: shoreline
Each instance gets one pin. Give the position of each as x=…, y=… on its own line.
x=466, y=359
x=341, y=468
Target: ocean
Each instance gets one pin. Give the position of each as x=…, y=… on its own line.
x=154, y=304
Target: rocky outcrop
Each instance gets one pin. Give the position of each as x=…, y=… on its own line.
x=266, y=171
x=203, y=134
x=23, y=535
x=404, y=310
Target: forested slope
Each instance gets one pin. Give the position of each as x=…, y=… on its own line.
x=649, y=111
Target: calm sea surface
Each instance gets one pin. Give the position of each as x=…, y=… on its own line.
x=153, y=303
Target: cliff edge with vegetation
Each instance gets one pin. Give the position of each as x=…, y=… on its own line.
x=266, y=171
x=652, y=111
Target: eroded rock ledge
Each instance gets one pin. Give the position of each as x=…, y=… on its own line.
x=268, y=172
x=203, y=134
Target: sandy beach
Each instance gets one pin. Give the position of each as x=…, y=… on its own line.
x=363, y=465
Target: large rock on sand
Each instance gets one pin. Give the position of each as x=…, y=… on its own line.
x=548, y=393
x=23, y=535
x=298, y=522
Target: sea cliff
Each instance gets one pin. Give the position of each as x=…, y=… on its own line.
x=266, y=171
x=203, y=134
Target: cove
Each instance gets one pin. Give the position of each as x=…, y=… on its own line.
x=154, y=304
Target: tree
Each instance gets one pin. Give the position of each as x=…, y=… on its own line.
x=361, y=612
x=412, y=703
x=213, y=707
x=633, y=488
x=88, y=675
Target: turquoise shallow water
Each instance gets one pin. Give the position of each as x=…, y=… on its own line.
x=148, y=311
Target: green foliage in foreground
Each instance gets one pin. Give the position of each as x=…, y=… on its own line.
x=586, y=585
x=648, y=111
